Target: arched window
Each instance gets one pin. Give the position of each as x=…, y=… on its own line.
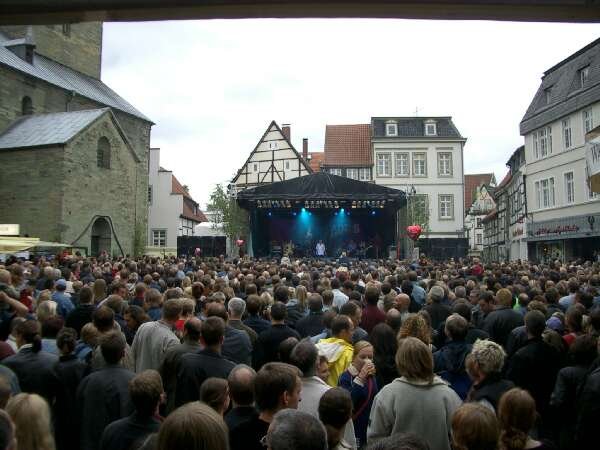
x=26, y=106
x=103, y=153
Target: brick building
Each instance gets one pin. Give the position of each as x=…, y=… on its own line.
x=74, y=154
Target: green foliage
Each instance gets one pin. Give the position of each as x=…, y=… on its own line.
x=418, y=211
x=227, y=216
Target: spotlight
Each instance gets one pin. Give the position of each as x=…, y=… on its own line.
x=269, y=214
x=373, y=213
x=342, y=210
x=303, y=209
x=294, y=213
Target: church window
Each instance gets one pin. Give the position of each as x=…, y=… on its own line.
x=26, y=106
x=103, y=153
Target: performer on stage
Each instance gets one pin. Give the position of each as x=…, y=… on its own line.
x=320, y=249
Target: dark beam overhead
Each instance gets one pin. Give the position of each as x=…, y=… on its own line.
x=63, y=11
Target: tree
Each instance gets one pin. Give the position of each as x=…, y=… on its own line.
x=226, y=215
x=418, y=211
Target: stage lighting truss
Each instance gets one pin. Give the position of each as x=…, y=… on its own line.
x=356, y=204
x=321, y=204
x=316, y=204
x=284, y=204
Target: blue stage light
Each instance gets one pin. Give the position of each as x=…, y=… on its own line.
x=269, y=214
x=342, y=210
x=373, y=213
x=294, y=213
x=303, y=209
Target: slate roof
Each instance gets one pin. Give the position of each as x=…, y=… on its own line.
x=348, y=145
x=414, y=127
x=472, y=182
x=66, y=78
x=315, y=160
x=566, y=93
x=47, y=129
x=505, y=180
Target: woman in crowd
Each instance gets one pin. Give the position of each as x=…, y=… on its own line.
x=383, y=340
x=484, y=365
x=417, y=402
x=31, y=416
x=474, y=427
x=517, y=415
x=359, y=380
x=33, y=366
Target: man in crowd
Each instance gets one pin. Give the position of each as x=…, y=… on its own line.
x=153, y=339
x=196, y=367
x=277, y=386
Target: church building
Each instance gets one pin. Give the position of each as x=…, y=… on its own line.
x=73, y=153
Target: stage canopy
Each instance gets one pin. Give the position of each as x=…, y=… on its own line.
x=321, y=190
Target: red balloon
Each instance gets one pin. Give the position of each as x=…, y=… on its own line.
x=239, y=242
x=413, y=231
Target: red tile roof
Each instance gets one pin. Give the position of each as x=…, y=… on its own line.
x=315, y=160
x=190, y=206
x=348, y=145
x=472, y=182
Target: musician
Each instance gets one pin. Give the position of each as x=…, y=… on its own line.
x=320, y=249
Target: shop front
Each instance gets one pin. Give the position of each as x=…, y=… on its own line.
x=564, y=239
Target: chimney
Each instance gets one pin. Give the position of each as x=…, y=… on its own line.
x=285, y=129
x=305, y=149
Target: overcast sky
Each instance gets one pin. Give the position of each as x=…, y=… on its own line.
x=212, y=87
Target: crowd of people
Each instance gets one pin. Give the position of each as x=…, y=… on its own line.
x=242, y=354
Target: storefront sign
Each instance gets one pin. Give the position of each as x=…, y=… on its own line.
x=557, y=230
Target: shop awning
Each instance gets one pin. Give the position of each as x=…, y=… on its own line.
x=19, y=244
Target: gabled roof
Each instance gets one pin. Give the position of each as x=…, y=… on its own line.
x=472, y=182
x=504, y=181
x=322, y=186
x=41, y=130
x=414, y=127
x=66, y=78
x=566, y=93
x=190, y=206
x=277, y=128
x=348, y=145
x=315, y=160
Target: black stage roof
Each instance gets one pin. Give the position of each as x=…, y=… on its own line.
x=316, y=189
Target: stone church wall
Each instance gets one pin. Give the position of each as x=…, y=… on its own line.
x=31, y=186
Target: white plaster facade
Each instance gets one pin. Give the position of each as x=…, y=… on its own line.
x=482, y=205
x=557, y=184
x=168, y=214
x=273, y=159
x=442, y=182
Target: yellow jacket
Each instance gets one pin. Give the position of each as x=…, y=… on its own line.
x=339, y=353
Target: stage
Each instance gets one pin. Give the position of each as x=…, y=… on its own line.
x=352, y=217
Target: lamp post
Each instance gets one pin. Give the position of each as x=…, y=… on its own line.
x=411, y=192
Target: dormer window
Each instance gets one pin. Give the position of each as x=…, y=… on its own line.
x=584, y=74
x=391, y=129
x=430, y=129
x=548, y=95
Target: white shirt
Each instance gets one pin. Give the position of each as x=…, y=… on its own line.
x=320, y=249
